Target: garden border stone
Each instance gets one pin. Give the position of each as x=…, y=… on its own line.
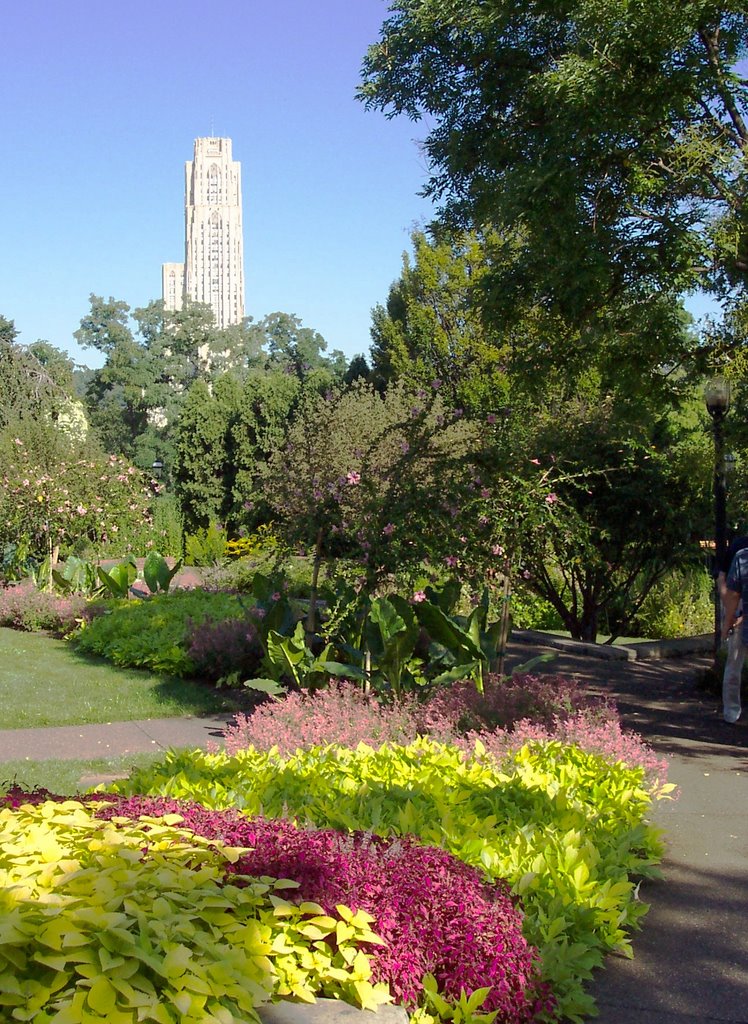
x=328, y=1011
x=647, y=650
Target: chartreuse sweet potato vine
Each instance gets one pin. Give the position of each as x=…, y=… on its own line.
x=566, y=828
x=128, y=921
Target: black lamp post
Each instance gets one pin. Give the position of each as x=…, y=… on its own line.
x=717, y=398
x=158, y=468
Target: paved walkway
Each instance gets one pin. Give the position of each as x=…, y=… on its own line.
x=691, y=956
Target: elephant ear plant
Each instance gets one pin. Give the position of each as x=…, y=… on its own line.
x=157, y=574
x=120, y=577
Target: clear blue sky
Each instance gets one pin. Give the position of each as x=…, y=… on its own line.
x=101, y=103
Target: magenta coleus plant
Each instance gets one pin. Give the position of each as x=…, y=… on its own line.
x=436, y=914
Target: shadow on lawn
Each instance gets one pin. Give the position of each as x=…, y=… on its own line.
x=191, y=696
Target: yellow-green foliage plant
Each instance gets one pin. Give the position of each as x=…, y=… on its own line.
x=567, y=829
x=128, y=921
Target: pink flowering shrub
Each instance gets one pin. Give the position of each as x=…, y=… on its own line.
x=505, y=702
x=22, y=606
x=101, y=502
x=435, y=913
x=519, y=710
x=340, y=714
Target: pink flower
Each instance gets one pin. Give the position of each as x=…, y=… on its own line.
x=535, y=462
x=491, y=418
x=497, y=550
x=485, y=493
x=551, y=498
x=17, y=440
x=418, y=597
x=389, y=529
x=436, y=384
x=353, y=478
x=81, y=510
x=450, y=561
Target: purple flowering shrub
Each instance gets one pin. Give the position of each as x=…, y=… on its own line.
x=221, y=648
x=435, y=913
x=505, y=703
x=24, y=607
x=509, y=714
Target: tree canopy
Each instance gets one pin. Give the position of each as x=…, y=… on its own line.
x=605, y=141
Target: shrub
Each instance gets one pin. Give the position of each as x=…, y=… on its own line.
x=519, y=710
x=157, y=633
x=530, y=611
x=22, y=606
x=225, y=649
x=339, y=714
x=76, y=505
x=167, y=525
x=682, y=604
x=504, y=703
x=207, y=546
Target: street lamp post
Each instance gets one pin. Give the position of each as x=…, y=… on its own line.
x=717, y=398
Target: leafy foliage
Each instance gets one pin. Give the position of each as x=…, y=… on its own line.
x=434, y=913
x=157, y=633
x=125, y=920
x=605, y=142
x=565, y=828
x=71, y=506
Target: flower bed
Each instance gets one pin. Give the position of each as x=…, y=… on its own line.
x=487, y=874
x=564, y=827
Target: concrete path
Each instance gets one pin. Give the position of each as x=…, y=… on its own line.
x=691, y=956
x=68, y=742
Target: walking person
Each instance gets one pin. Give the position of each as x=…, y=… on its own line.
x=732, y=581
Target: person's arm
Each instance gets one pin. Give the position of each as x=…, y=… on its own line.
x=730, y=600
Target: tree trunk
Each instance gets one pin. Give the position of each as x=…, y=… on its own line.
x=311, y=619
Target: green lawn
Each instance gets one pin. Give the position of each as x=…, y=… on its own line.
x=70, y=777
x=46, y=682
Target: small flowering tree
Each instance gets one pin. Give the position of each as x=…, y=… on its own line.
x=375, y=478
x=96, y=502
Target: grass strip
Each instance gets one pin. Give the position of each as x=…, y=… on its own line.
x=45, y=682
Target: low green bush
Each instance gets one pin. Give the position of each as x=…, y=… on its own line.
x=566, y=828
x=156, y=633
x=529, y=611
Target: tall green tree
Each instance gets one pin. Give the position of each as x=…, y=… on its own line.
x=203, y=467
x=432, y=329
x=115, y=394
x=604, y=141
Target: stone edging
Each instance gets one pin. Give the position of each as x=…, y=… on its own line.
x=647, y=650
x=328, y=1011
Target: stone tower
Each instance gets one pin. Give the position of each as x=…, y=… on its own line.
x=213, y=268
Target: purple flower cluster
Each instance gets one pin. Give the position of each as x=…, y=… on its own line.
x=218, y=649
x=435, y=913
x=22, y=606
